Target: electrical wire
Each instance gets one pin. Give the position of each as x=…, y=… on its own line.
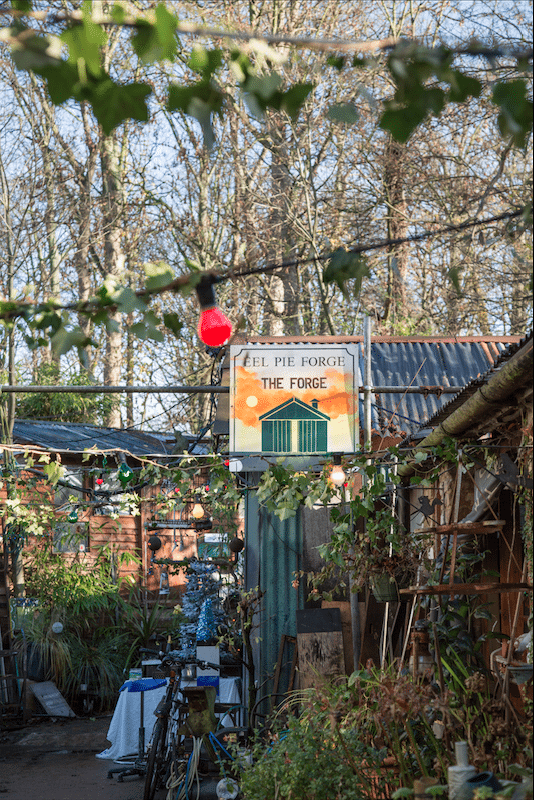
x=182, y=784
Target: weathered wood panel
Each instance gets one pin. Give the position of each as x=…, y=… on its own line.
x=320, y=645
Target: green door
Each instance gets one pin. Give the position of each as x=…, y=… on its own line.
x=276, y=436
x=312, y=436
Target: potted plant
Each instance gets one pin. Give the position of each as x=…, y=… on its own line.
x=370, y=543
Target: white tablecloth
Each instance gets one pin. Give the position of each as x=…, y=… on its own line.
x=123, y=732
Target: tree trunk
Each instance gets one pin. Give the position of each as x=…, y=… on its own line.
x=114, y=261
x=397, y=227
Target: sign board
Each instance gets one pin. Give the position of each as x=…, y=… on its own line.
x=51, y=699
x=294, y=399
x=320, y=645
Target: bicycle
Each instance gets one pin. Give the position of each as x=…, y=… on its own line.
x=183, y=714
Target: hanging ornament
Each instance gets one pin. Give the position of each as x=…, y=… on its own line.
x=125, y=474
x=73, y=516
x=154, y=543
x=164, y=583
x=100, y=480
x=214, y=328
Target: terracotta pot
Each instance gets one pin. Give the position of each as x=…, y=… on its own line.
x=421, y=785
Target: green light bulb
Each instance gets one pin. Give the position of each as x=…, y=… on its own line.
x=125, y=473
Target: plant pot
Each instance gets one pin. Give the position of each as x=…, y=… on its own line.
x=520, y=673
x=420, y=786
x=385, y=589
x=479, y=780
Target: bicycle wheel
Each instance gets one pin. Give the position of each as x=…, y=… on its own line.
x=156, y=758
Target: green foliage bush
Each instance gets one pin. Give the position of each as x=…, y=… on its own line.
x=307, y=762
x=63, y=407
x=93, y=647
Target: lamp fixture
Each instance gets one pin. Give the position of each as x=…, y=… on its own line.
x=197, y=512
x=337, y=473
x=214, y=328
x=164, y=583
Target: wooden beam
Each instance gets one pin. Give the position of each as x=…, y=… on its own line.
x=488, y=526
x=468, y=588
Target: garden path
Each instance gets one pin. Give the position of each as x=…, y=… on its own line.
x=56, y=760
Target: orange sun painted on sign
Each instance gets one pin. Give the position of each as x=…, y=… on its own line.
x=253, y=399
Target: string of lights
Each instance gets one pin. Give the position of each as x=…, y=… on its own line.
x=214, y=328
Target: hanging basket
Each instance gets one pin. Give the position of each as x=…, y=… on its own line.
x=385, y=589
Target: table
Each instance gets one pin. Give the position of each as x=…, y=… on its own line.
x=123, y=731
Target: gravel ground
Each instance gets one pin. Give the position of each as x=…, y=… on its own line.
x=55, y=759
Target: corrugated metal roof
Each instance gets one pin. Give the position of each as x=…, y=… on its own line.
x=471, y=387
x=72, y=437
x=422, y=363
x=412, y=361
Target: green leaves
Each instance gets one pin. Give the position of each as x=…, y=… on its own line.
x=411, y=67
x=35, y=51
x=63, y=340
x=344, y=265
x=515, y=117
x=263, y=92
x=156, y=42
x=200, y=100
x=81, y=76
x=114, y=103
x=148, y=327
x=84, y=43
x=158, y=274
x=463, y=86
x=173, y=322
x=343, y=112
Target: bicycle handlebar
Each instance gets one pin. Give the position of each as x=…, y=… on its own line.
x=175, y=658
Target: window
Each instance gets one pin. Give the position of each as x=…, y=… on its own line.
x=109, y=494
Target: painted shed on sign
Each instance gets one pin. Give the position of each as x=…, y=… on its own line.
x=295, y=426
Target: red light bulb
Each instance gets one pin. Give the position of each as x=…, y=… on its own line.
x=214, y=328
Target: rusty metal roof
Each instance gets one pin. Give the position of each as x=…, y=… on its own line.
x=411, y=361
x=471, y=387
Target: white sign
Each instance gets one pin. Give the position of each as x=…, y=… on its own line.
x=293, y=399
